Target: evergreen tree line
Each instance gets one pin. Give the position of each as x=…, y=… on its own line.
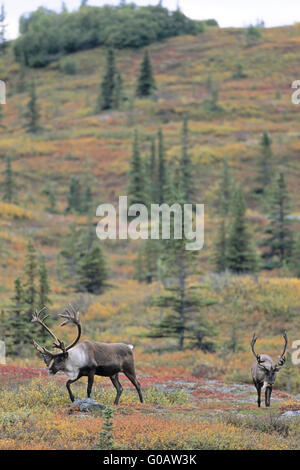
x=31, y=292
x=46, y=36
x=234, y=248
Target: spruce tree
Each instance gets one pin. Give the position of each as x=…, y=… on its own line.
x=241, y=256
x=220, y=248
x=106, y=436
x=21, y=83
x=137, y=185
x=186, y=164
x=91, y=270
x=18, y=328
x=264, y=164
x=225, y=190
x=211, y=104
x=26, y=299
x=107, y=87
x=84, y=263
x=219, y=258
x=8, y=184
x=3, y=325
x=162, y=170
x=43, y=298
x=152, y=173
x=70, y=254
x=3, y=26
x=252, y=35
x=184, y=318
x=295, y=258
x=87, y=201
x=33, y=112
x=146, y=262
x=44, y=286
x=50, y=193
x=146, y=82
x=278, y=241
x=30, y=288
x=139, y=266
x=239, y=73
x=87, y=196
x=74, y=196
x=30, y=279
x=118, y=98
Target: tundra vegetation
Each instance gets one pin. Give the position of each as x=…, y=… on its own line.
x=219, y=119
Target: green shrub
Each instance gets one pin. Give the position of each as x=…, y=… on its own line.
x=8, y=419
x=152, y=395
x=68, y=67
x=106, y=441
x=253, y=35
x=38, y=393
x=264, y=423
x=156, y=396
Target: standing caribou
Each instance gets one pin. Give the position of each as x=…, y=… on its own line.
x=87, y=358
x=264, y=371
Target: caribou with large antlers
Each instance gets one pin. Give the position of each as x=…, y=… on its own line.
x=87, y=358
x=264, y=371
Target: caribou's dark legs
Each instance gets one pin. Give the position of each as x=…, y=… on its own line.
x=268, y=396
x=135, y=382
x=69, y=388
x=118, y=387
x=90, y=383
x=258, y=388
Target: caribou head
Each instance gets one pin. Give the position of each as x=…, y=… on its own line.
x=58, y=358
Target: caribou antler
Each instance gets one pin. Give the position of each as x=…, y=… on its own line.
x=281, y=360
x=36, y=318
x=257, y=356
x=72, y=316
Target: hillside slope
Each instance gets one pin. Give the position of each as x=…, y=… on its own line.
x=73, y=133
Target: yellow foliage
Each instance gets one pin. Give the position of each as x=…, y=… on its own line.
x=12, y=211
x=99, y=311
x=12, y=238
